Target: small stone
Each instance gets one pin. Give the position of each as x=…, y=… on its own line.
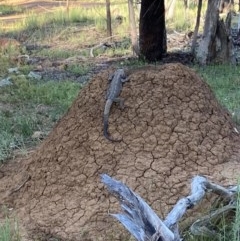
x=13, y=70
x=5, y=82
x=39, y=68
x=34, y=75
x=37, y=135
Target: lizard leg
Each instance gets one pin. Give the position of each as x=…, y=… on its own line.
x=120, y=101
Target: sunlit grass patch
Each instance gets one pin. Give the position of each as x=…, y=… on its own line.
x=48, y=92
x=28, y=106
x=70, y=26
x=9, y=9
x=78, y=69
x=185, y=19
x=225, y=82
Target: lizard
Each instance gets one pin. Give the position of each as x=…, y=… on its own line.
x=115, y=87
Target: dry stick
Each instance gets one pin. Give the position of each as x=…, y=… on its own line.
x=101, y=44
x=138, y=218
x=141, y=221
x=20, y=185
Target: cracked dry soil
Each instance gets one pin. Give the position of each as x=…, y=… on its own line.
x=172, y=128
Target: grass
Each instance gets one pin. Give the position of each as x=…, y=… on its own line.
x=9, y=231
x=225, y=227
x=236, y=223
x=28, y=106
x=184, y=19
x=9, y=9
x=47, y=93
x=224, y=81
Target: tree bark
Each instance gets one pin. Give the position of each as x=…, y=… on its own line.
x=152, y=30
x=215, y=44
x=134, y=39
x=226, y=5
x=196, y=26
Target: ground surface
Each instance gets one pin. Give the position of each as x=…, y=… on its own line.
x=172, y=128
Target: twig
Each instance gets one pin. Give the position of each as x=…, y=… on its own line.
x=20, y=186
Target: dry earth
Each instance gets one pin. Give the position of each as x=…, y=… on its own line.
x=172, y=127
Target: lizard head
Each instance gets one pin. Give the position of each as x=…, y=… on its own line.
x=122, y=75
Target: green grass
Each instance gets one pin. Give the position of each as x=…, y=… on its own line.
x=78, y=69
x=9, y=9
x=31, y=106
x=236, y=224
x=9, y=231
x=225, y=82
x=184, y=19
x=226, y=227
x=48, y=92
x=71, y=26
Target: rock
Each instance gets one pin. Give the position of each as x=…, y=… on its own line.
x=13, y=70
x=5, y=82
x=34, y=75
x=37, y=135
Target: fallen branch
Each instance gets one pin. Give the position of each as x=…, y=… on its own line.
x=142, y=222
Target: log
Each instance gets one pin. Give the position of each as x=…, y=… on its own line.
x=145, y=225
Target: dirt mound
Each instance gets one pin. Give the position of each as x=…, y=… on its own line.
x=172, y=128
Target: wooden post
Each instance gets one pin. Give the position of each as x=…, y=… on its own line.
x=109, y=22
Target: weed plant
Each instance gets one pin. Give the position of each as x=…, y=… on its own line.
x=236, y=224
x=9, y=231
x=226, y=229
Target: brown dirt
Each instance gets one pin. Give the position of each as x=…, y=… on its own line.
x=172, y=127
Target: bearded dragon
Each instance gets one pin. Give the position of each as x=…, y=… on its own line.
x=116, y=82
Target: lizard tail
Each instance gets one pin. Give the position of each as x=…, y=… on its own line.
x=105, y=130
x=105, y=121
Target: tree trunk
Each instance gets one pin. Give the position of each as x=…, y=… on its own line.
x=186, y=4
x=226, y=5
x=215, y=44
x=170, y=9
x=109, y=22
x=133, y=28
x=152, y=30
x=67, y=8
x=196, y=27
